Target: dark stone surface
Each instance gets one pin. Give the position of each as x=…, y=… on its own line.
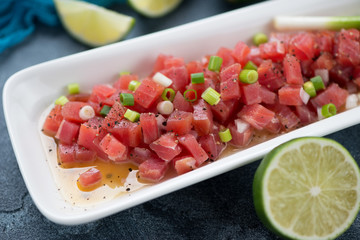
x=219, y=208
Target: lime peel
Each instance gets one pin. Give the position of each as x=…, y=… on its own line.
x=312, y=185
x=91, y=24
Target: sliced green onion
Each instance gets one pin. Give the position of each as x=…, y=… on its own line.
x=133, y=85
x=125, y=73
x=165, y=107
x=211, y=96
x=162, y=79
x=328, y=110
x=86, y=113
x=215, y=63
x=250, y=66
x=105, y=110
x=225, y=135
x=309, y=88
x=132, y=116
x=316, y=22
x=260, y=38
x=127, y=99
x=248, y=76
x=61, y=100
x=197, y=78
x=318, y=83
x=73, y=88
x=186, y=95
x=166, y=92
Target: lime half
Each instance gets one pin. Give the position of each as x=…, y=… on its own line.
x=154, y=8
x=307, y=188
x=93, y=25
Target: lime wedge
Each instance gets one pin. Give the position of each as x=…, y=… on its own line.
x=93, y=25
x=307, y=188
x=154, y=8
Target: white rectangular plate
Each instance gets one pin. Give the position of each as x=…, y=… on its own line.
x=27, y=93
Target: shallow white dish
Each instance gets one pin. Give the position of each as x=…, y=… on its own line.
x=27, y=93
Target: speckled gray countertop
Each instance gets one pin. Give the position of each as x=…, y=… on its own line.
x=219, y=208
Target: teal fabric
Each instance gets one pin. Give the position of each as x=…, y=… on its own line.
x=18, y=18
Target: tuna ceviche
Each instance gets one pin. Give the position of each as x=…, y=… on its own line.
x=184, y=114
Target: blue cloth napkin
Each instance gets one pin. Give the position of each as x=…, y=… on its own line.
x=18, y=18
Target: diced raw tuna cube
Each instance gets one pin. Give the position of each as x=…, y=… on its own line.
x=240, y=137
x=287, y=117
x=347, y=48
x=110, y=101
x=173, y=62
x=202, y=118
x=166, y=147
x=281, y=37
x=226, y=55
x=341, y=74
x=153, y=169
x=115, y=115
x=90, y=178
x=128, y=133
x=267, y=96
x=230, y=73
x=53, y=121
x=230, y=90
x=254, y=55
x=88, y=132
x=324, y=61
x=179, y=122
x=208, y=143
x=325, y=41
x=250, y=93
x=90, y=135
x=291, y=95
x=292, y=70
x=83, y=154
x=190, y=143
x=256, y=115
x=302, y=46
x=147, y=93
x=179, y=77
x=212, y=145
x=101, y=92
x=274, y=126
x=224, y=109
x=194, y=67
x=270, y=75
x=181, y=104
x=123, y=81
x=240, y=52
x=115, y=150
x=272, y=50
x=332, y=94
x=139, y=155
x=67, y=132
x=70, y=111
x=160, y=62
x=305, y=114
x=66, y=153
x=184, y=164
x=149, y=126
